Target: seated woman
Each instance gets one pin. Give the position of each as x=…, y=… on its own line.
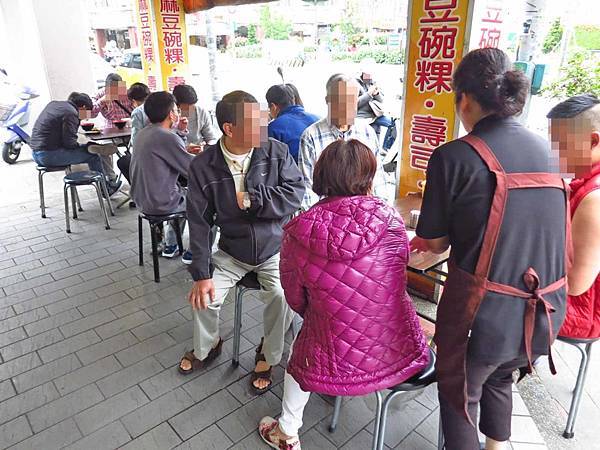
x=343, y=269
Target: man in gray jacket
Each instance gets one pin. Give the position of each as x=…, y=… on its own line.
x=249, y=186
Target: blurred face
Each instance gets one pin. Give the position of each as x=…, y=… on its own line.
x=186, y=109
x=115, y=91
x=84, y=113
x=575, y=146
x=342, y=102
x=250, y=129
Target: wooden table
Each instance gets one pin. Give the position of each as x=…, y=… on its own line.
x=420, y=263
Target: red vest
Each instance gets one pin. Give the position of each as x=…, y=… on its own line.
x=583, y=311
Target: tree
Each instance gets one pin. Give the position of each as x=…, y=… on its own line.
x=579, y=76
x=553, y=37
x=252, y=39
x=274, y=26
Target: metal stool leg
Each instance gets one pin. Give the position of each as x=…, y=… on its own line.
x=578, y=392
x=66, y=197
x=383, y=420
x=336, y=414
x=155, y=253
x=141, y=240
x=41, y=190
x=237, y=325
x=74, y=201
x=102, y=207
x=378, y=412
x=105, y=190
x=79, y=208
x=177, y=225
x=441, y=441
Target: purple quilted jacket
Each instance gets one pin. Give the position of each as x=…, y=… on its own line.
x=343, y=269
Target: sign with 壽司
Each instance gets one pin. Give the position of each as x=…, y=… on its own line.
x=437, y=38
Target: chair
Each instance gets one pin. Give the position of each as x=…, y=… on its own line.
x=585, y=348
x=156, y=222
x=418, y=382
x=86, y=178
x=43, y=170
x=248, y=283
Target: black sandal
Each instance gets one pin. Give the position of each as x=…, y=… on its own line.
x=198, y=364
x=266, y=375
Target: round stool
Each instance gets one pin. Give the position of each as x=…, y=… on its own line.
x=85, y=178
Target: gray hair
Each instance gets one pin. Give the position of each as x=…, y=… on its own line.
x=337, y=78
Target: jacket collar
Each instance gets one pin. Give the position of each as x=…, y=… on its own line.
x=217, y=159
x=291, y=109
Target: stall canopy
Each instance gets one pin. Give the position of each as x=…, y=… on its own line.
x=192, y=6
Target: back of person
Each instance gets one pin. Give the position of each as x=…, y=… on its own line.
x=47, y=132
x=158, y=159
x=289, y=126
x=360, y=333
x=532, y=234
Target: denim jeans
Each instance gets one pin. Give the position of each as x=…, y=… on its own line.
x=66, y=157
x=385, y=121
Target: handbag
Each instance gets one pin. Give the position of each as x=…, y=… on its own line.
x=377, y=108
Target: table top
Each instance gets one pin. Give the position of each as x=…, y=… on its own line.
x=108, y=133
x=418, y=262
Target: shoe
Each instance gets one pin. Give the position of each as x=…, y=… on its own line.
x=113, y=187
x=132, y=205
x=268, y=428
x=170, y=250
x=187, y=257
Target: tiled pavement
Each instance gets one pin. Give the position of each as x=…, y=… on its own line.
x=89, y=346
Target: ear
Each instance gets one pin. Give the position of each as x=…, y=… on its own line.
x=595, y=140
x=228, y=129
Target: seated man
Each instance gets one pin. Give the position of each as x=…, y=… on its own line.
x=342, y=101
x=249, y=188
x=575, y=132
x=54, y=135
x=159, y=158
x=289, y=118
x=138, y=93
x=199, y=123
x=113, y=103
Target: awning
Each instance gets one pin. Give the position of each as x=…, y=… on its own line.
x=192, y=6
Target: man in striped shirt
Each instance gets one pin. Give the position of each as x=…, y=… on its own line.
x=342, y=101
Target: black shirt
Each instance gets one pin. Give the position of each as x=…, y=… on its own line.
x=456, y=204
x=56, y=127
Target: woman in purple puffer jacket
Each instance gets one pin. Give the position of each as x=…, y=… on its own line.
x=343, y=269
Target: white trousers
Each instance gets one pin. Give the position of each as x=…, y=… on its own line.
x=292, y=406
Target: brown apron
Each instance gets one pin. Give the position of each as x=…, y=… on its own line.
x=464, y=292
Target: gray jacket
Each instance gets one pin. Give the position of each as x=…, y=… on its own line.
x=276, y=188
x=200, y=127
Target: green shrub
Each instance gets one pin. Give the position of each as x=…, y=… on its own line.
x=252, y=40
x=380, y=55
x=249, y=51
x=587, y=37
x=553, y=38
x=381, y=39
x=581, y=75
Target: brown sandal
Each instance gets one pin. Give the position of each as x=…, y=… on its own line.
x=266, y=375
x=198, y=364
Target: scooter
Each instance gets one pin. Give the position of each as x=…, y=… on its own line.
x=13, y=118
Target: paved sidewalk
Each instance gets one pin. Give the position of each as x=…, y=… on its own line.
x=89, y=346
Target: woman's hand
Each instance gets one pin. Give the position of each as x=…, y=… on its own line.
x=418, y=245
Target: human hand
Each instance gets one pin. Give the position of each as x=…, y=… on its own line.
x=240, y=200
x=201, y=291
x=194, y=149
x=373, y=90
x=182, y=125
x=418, y=245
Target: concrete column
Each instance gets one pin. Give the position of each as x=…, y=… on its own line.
x=47, y=45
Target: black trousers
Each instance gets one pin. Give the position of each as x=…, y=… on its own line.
x=489, y=386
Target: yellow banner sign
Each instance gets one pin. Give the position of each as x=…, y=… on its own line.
x=148, y=43
x=172, y=42
x=437, y=37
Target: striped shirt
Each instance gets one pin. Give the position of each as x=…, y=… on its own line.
x=318, y=136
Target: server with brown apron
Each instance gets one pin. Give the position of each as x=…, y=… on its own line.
x=490, y=197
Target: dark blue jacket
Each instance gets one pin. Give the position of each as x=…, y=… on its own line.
x=289, y=126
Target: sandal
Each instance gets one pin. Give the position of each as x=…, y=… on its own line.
x=266, y=375
x=197, y=364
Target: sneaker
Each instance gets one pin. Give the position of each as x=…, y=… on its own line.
x=187, y=257
x=268, y=428
x=170, y=250
x=113, y=187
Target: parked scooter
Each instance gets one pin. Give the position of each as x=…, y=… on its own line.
x=13, y=118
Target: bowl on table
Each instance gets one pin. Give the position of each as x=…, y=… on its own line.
x=87, y=126
x=120, y=124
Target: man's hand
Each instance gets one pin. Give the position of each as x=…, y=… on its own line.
x=418, y=245
x=373, y=90
x=194, y=149
x=182, y=125
x=202, y=291
x=240, y=200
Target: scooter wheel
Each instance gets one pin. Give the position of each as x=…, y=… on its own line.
x=11, y=152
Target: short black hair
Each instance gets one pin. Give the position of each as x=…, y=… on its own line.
x=280, y=95
x=573, y=106
x=226, y=109
x=185, y=94
x=138, y=92
x=112, y=78
x=158, y=105
x=80, y=100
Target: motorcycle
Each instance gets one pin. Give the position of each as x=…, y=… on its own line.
x=13, y=118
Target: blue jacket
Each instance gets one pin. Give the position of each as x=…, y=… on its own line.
x=289, y=126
